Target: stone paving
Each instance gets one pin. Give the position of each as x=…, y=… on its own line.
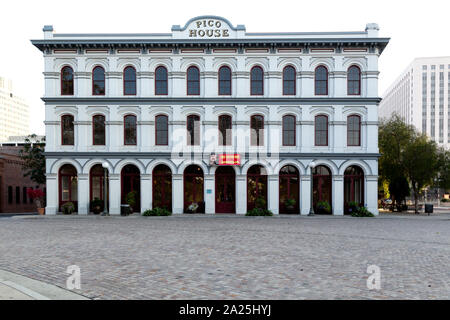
x=229, y=257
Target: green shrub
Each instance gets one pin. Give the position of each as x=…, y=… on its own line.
x=260, y=203
x=259, y=212
x=68, y=208
x=323, y=207
x=157, y=212
x=130, y=198
x=445, y=200
x=362, y=212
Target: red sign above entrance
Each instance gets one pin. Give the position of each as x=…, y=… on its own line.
x=229, y=159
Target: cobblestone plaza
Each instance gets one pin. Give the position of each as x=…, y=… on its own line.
x=233, y=257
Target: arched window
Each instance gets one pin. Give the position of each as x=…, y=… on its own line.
x=129, y=81
x=353, y=188
x=256, y=187
x=257, y=130
x=68, y=185
x=353, y=130
x=130, y=130
x=224, y=81
x=288, y=81
x=162, y=130
x=322, y=188
x=193, y=130
x=67, y=130
x=162, y=187
x=161, y=87
x=354, y=81
x=321, y=81
x=225, y=130
x=67, y=81
x=289, y=130
x=321, y=130
x=98, y=81
x=98, y=130
x=257, y=81
x=193, y=81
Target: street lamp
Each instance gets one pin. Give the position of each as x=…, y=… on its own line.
x=311, y=166
x=105, y=166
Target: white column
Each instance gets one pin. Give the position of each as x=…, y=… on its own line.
x=146, y=192
x=371, y=194
x=52, y=193
x=272, y=193
x=241, y=194
x=338, y=195
x=114, y=194
x=83, y=194
x=177, y=193
x=305, y=194
x=209, y=194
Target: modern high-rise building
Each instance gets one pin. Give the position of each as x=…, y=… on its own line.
x=421, y=96
x=14, y=112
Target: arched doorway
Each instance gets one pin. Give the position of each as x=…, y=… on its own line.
x=97, y=185
x=353, y=187
x=225, y=190
x=256, y=187
x=193, y=189
x=322, y=190
x=162, y=187
x=68, y=186
x=289, y=190
x=131, y=186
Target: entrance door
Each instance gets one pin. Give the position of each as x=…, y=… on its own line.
x=162, y=187
x=322, y=190
x=225, y=190
x=193, y=190
x=68, y=186
x=289, y=190
x=131, y=186
x=256, y=187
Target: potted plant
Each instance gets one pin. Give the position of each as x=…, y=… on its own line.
x=290, y=203
x=192, y=208
x=38, y=197
x=353, y=206
x=130, y=199
x=323, y=207
x=96, y=205
x=68, y=208
x=260, y=203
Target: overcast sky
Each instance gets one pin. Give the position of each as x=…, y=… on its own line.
x=416, y=28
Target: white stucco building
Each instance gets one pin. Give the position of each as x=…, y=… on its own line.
x=14, y=112
x=421, y=96
x=155, y=107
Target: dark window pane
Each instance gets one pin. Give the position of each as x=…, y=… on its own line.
x=289, y=81
x=67, y=81
x=321, y=81
x=256, y=81
x=193, y=130
x=67, y=130
x=354, y=80
x=98, y=123
x=257, y=130
x=288, y=130
x=98, y=81
x=162, y=130
x=224, y=81
x=193, y=81
x=225, y=130
x=161, y=87
x=321, y=131
x=354, y=130
x=129, y=81
x=130, y=130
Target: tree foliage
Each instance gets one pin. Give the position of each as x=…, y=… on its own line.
x=32, y=155
x=409, y=159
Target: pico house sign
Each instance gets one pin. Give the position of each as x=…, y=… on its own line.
x=208, y=27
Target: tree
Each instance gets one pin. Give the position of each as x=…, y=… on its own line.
x=444, y=169
x=422, y=163
x=33, y=157
x=394, y=137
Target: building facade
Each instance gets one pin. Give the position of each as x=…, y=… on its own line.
x=213, y=118
x=421, y=96
x=14, y=112
x=13, y=185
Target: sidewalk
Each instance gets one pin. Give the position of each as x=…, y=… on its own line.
x=17, y=287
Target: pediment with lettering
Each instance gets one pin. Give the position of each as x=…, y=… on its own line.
x=208, y=27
